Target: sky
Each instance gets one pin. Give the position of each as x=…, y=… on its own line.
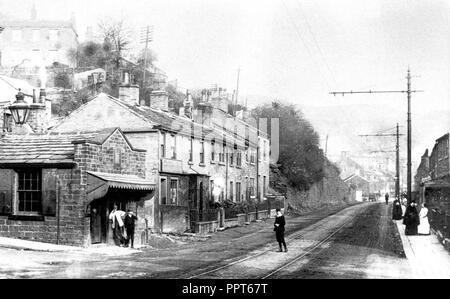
x=295, y=51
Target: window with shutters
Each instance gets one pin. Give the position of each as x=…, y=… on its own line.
x=29, y=191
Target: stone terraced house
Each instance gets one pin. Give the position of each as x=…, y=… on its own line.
x=51, y=183
x=59, y=184
x=194, y=162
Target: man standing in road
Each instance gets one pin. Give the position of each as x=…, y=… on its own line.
x=279, y=229
x=129, y=221
x=386, y=197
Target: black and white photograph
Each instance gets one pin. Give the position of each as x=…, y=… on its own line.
x=210, y=142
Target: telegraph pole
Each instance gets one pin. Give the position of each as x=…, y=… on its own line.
x=237, y=92
x=408, y=165
x=397, y=158
x=408, y=92
x=145, y=38
x=397, y=167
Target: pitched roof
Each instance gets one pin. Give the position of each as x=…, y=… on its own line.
x=354, y=175
x=36, y=149
x=37, y=23
x=54, y=149
x=158, y=119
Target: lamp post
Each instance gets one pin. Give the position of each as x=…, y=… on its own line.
x=19, y=109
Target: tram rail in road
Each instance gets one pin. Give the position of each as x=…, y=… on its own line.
x=292, y=238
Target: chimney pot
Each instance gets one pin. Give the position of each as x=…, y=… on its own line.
x=35, y=100
x=42, y=95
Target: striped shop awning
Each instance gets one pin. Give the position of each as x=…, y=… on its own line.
x=122, y=181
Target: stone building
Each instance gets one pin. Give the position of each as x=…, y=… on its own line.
x=34, y=41
x=60, y=188
x=433, y=185
x=359, y=185
x=194, y=161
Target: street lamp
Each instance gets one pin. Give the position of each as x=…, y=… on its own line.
x=20, y=109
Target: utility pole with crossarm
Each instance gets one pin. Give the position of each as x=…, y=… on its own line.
x=397, y=156
x=408, y=92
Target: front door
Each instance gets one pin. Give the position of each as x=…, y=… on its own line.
x=98, y=223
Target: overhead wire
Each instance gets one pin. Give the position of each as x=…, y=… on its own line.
x=297, y=30
x=316, y=43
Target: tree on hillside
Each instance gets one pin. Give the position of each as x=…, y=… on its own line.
x=176, y=98
x=300, y=157
x=115, y=33
x=92, y=55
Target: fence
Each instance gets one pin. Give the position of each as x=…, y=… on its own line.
x=231, y=212
x=204, y=215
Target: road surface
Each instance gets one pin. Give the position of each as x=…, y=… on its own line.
x=357, y=242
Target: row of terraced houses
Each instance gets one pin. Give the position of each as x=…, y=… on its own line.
x=59, y=180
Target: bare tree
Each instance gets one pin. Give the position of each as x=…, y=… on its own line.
x=115, y=33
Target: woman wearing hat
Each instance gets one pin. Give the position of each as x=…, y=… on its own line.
x=279, y=229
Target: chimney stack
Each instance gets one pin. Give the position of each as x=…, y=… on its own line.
x=35, y=99
x=128, y=92
x=159, y=99
x=40, y=112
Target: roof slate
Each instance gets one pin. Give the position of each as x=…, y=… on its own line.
x=45, y=148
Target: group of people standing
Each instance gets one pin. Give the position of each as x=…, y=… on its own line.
x=415, y=223
x=122, y=224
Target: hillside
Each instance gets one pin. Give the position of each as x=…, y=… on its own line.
x=331, y=191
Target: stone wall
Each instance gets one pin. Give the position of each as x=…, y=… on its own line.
x=70, y=189
x=44, y=228
x=330, y=191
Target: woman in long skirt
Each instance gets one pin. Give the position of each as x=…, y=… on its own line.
x=397, y=210
x=411, y=219
x=424, y=227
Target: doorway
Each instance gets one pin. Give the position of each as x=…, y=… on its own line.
x=100, y=228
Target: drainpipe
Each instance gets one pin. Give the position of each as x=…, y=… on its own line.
x=257, y=173
x=58, y=187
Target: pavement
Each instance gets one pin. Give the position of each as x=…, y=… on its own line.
x=427, y=257
x=19, y=244
x=34, y=246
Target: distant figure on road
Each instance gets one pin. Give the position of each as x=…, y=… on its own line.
x=279, y=229
x=129, y=221
x=424, y=227
x=397, y=212
x=386, y=197
x=411, y=219
x=116, y=216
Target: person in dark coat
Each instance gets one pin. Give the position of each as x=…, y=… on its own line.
x=397, y=212
x=129, y=222
x=411, y=219
x=279, y=229
x=386, y=197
